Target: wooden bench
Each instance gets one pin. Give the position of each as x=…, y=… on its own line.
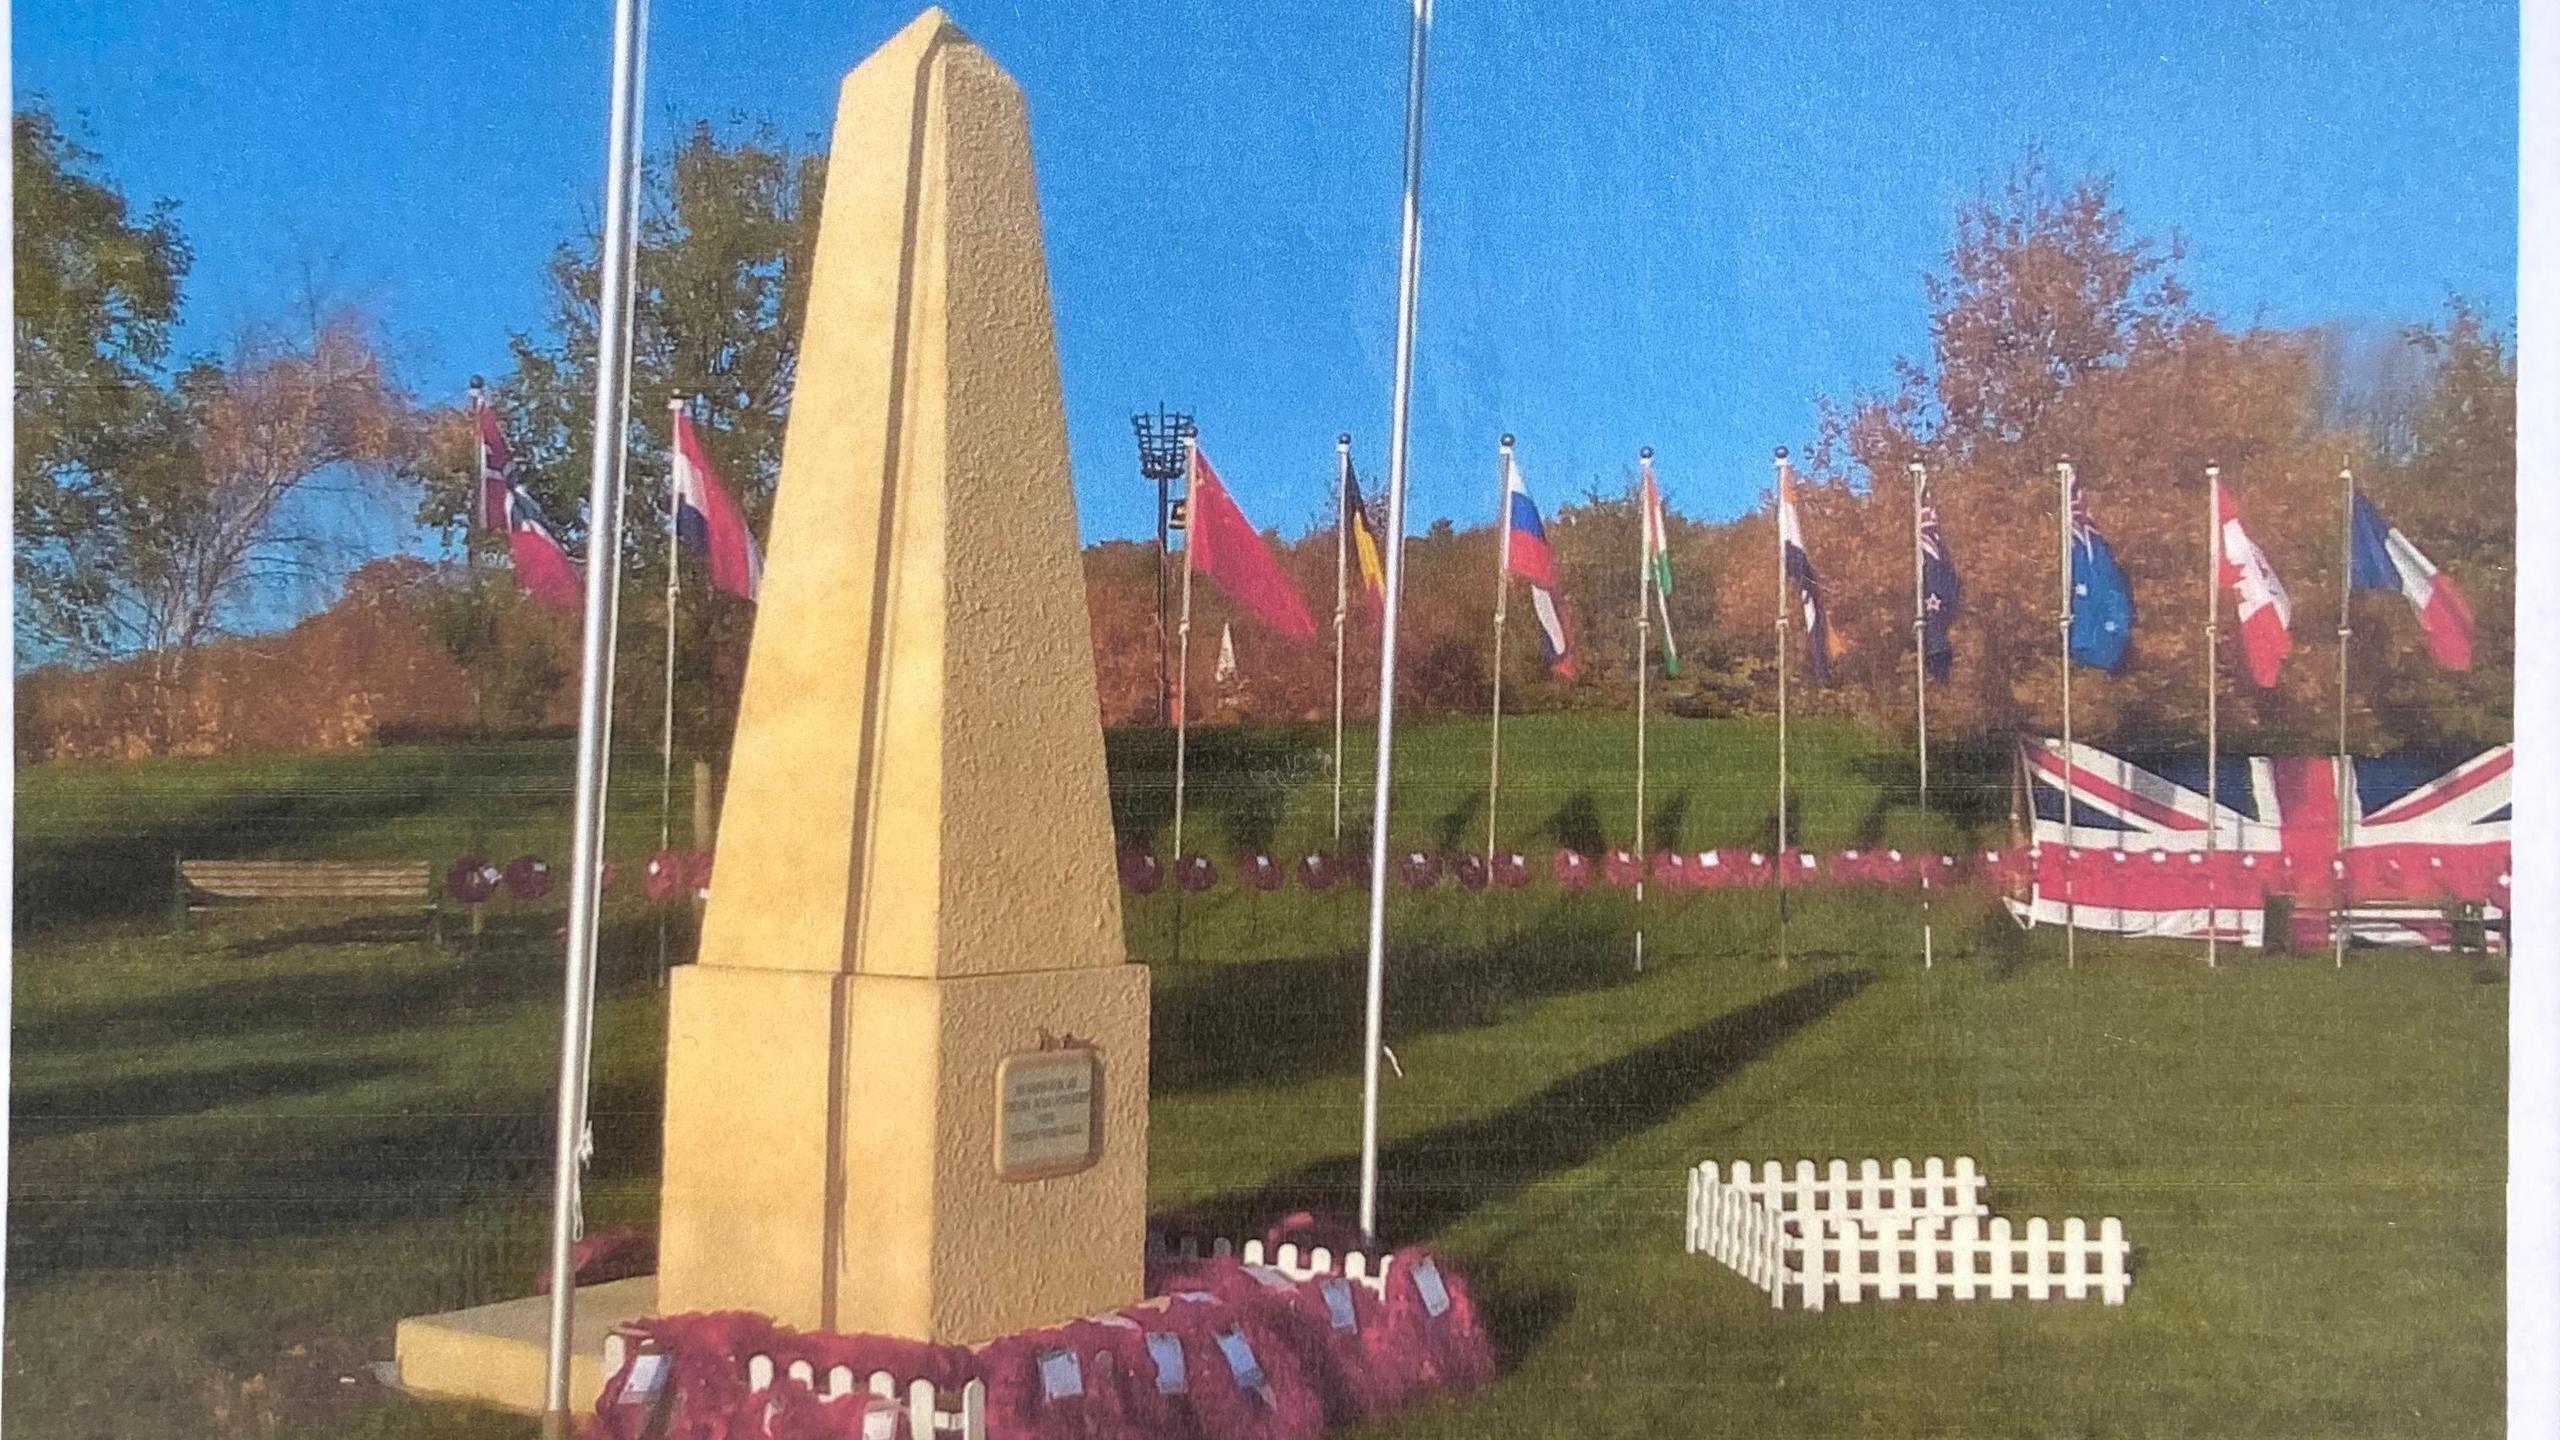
x=310, y=882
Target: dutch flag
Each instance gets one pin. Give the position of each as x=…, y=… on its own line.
x=706, y=518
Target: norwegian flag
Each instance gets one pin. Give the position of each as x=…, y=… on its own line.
x=2426, y=833
x=489, y=508
x=544, y=569
x=2266, y=612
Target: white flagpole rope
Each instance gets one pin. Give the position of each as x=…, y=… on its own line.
x=2070, y=838
x=604, y=511
x=1501, y=609
x=1920, y=682
x=2212, y=712
x=1342, y=522
x=1780, y=867
x=667, y=719
x=1644, y=666
x=2346, y=782
x=1408, y=279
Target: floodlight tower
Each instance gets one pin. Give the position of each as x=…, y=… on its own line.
x=1161, y=458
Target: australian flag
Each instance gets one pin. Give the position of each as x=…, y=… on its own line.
x=1941, y=596
x=2101, y=601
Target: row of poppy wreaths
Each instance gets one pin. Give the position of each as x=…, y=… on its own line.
x=665, y=875
x=1141, y=873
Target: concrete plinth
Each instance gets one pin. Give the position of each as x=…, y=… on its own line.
x=494, y=1354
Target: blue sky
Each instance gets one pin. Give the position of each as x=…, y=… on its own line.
x=1645, y=223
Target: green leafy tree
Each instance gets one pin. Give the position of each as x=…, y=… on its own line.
x=97, y=294
x=728, y=227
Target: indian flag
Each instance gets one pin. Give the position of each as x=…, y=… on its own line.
x=1657, y=559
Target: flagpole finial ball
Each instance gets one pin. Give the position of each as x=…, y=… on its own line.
x=1343, y=439
x=1506, y=440
x=1782, y=452
x=1645, y=454
x=479, y=384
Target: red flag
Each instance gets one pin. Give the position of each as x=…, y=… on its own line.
x=544, y=569
x=1225, y=547
x=490, y=510
x=2266, y=612
x=708, y=520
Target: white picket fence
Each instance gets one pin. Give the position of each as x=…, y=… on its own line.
x=913, y=1409
x=909, y=1410
x=1926, y=1236
x=1298, y=1263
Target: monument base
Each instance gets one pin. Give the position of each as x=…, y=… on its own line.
x=496, y=1354
x=839, y=1154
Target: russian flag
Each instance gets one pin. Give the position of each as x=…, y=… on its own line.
x=707, y=519
x=2381, y=558
x=1525, y=554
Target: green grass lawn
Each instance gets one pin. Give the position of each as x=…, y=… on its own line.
x=237, y=1156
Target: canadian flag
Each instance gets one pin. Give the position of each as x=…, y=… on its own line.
x=2266, y=613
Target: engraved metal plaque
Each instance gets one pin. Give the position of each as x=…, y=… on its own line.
x=1047, y=1103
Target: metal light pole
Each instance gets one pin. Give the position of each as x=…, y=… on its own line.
x=1163, y=458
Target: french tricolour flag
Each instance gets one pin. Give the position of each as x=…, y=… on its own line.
x=1525, y=554
x=2383, y=559
x=707, y=519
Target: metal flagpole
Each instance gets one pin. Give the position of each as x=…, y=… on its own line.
x=1779, y=860
x=1408, y=279
x=1341, y=605
x=667, y=720
x=1501, y=609
x=2070, y=817
x=604, y=510
x=2212, y=712
x=1920, y=682
x=1644, y=668
x=2346, y=787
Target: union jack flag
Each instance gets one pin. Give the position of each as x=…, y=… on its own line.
x=2425, y=833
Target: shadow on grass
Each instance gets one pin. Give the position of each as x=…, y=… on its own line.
x=514, y=963
x=45, y=1111
x=1267, y=1021
x=1241, y=779
x=270, y=1178
x=1450, y=1171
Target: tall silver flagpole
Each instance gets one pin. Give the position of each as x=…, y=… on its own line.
x=2070, y=834
x=1920, y=683
x=1501, y=608
x=2346, y=787
x=2212, y=712
x=1644, y=667
x=604, y=512
x=1408, y=279
x=1341, y=605
x=1779, y=860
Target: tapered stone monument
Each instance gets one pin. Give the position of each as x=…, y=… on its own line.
x=906, y=1081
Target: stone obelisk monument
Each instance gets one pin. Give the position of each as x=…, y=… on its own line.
x=907, y=1080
